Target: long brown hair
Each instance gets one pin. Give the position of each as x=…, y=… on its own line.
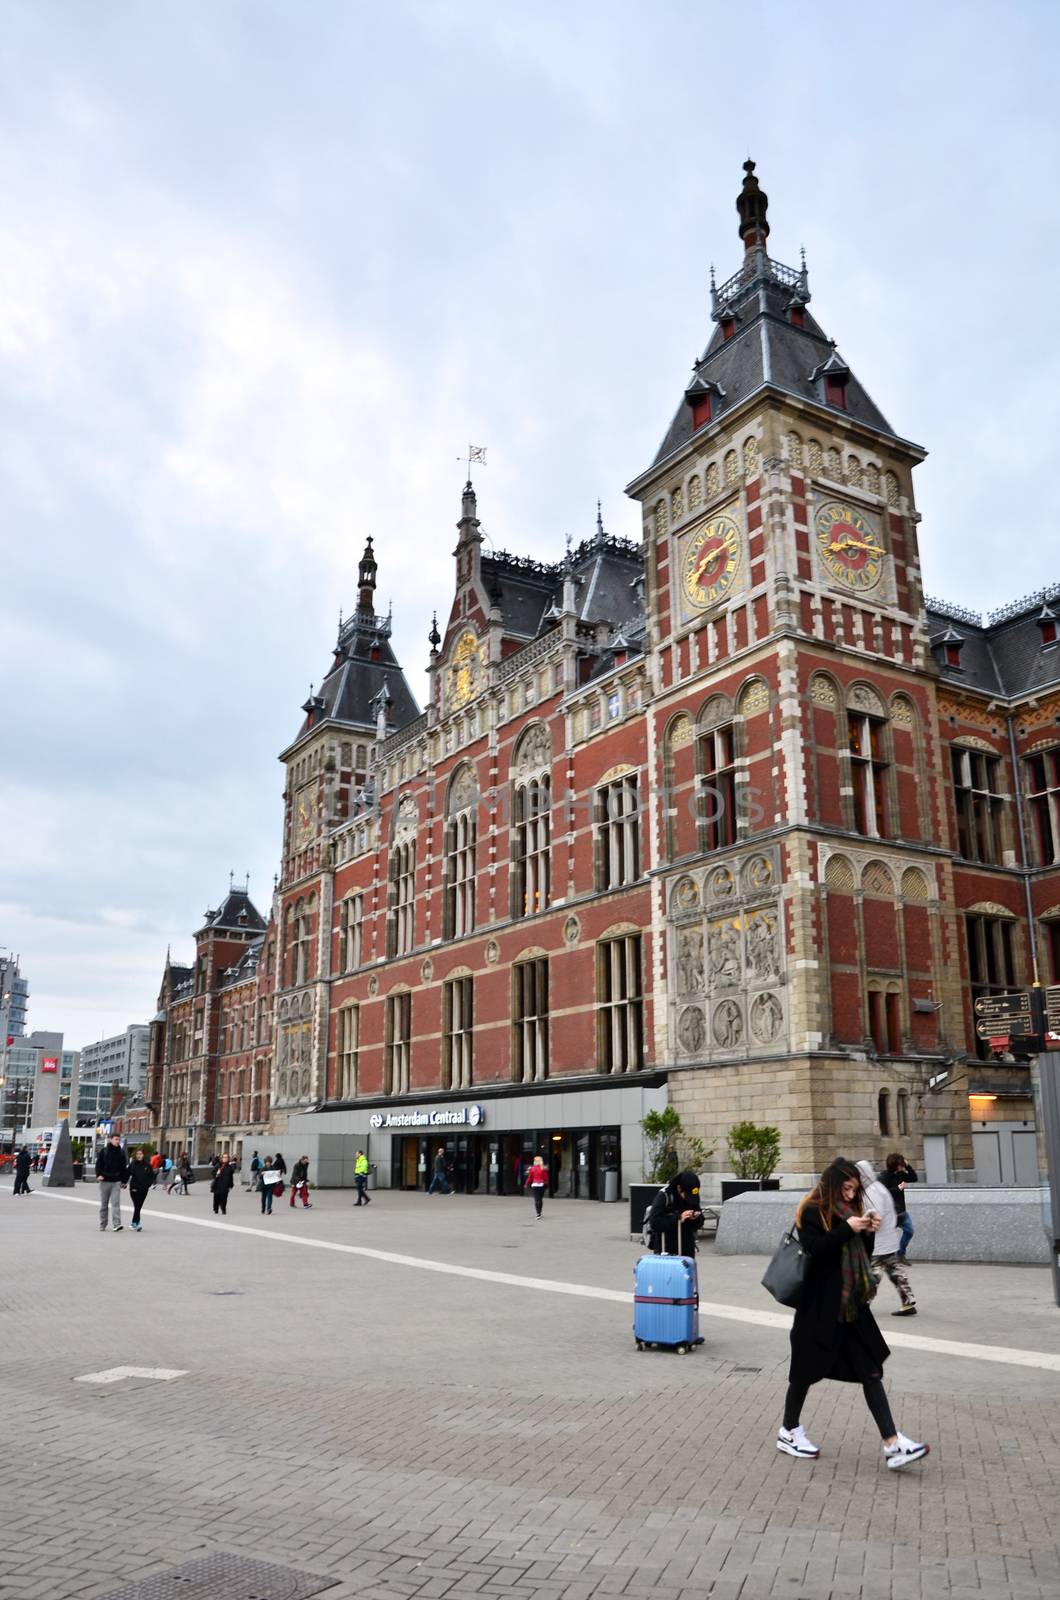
x=827, y=1192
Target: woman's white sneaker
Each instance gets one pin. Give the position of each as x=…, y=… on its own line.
x=793, y=1442
x=904, y=1451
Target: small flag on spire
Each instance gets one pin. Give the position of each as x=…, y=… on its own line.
x=475, y=452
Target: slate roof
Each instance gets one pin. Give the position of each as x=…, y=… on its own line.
x=237, y=912
x=608, y=577
x=766, y=348
x=354, y=679
x=1003, y=656
x=247, y=965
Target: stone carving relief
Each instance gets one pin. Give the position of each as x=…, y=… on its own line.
x=814, y=457
x=727, y=945
x=691, y=1030
x=572, y=930
x=712, y=481
x=902, y=712
x=695, y=492
x=727, y=1026
x=661, y=519
x=754, y=698
x=763, y=951
x=691, y=977
x=822, y=690
x=767, y=1018
x=677, y=504
x=534, y=749
x=464, y=791
x=726, y=967
x=872, y=478
x=862, y=698
x=914, y=884
x=721, y=885
x=685, y=901
x=681, y=733
x=407, y=817
x=732, y=467
x=427, y=970
x=493, y=951
x=795, y=449
x=750, y=457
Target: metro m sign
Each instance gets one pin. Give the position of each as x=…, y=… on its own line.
x=49, y=1064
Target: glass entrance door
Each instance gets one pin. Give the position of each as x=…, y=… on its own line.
x=584, y=1166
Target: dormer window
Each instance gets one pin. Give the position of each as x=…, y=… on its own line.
x=835, y=390
x=1047, y=623
x=798, y=317
x=728, y=327
x=948, y=647
x=953, y=655
x=702, y=410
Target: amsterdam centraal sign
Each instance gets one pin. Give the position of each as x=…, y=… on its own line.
x=444, y=1117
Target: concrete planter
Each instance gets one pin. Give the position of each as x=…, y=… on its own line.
x=731, y=1187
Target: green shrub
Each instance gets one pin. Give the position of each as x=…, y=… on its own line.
x=754, y=1152
x=670, y=1149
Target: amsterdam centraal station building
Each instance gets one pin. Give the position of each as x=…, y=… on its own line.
x=731, y=818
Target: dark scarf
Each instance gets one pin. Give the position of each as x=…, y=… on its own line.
x=858, y=1283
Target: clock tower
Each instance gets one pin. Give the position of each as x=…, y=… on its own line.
x=792, y=717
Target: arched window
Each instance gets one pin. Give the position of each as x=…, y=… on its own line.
x=883, y=1112
x=460, y=831
x=398, y=1053
x=868, y=749
x=401, y=881
x=716, y=772
x=531, y=821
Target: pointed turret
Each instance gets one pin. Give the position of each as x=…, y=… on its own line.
x=366, y=575
x=752, y=203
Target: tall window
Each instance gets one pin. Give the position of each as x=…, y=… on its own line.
x=885, y=1018
x=460, y=856
x=717, y=788
x=302, y=943
x=398, y=1043
x=1051, y=932
x=620, y=1005
x=530, y=1021
x=976, y=791
x=617, y=833
x=349, y=1036
x=1043, y=795
x=351, y=928
x=531, y=877
x=991, y=969
x=402, y=922
x=457, y=1024
x=868, y=772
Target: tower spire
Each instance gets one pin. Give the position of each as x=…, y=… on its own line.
x=366, y=580
x=751, y=203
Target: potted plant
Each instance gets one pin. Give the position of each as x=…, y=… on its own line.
x=754, y=1154
x=668, y=1150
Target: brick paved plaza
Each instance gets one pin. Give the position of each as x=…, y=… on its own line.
x=401, y=1431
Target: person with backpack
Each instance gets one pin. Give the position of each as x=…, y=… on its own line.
x=537, y=1183
x=674, y=1217
x=142, y=1176
x=834, y=1334
x=885, y=1257
x=894, y=1177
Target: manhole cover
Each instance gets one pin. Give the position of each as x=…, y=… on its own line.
x=745, y=1369
x=230, y=1576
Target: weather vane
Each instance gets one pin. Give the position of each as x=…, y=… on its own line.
x=475, y=452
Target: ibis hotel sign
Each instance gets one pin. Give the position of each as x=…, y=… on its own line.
x=444, y=1117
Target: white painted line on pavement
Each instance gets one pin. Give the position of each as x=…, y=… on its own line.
x=116, y=1374
x=1005, y=1354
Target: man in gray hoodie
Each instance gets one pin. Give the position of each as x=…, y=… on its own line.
x=884, y=1258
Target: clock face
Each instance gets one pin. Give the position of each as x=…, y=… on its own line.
x=466, y=673
x=710, y=561
x=849, y=546
x=303, y=817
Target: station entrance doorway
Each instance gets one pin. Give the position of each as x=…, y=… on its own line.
x=497, y=1163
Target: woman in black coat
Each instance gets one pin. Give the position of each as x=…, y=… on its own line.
x=221, y=1186
x=141, y=1182
x=834, y=1334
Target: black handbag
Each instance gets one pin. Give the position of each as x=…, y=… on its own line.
x=786, y=1273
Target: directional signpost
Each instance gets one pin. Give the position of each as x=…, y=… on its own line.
x=998, y=1015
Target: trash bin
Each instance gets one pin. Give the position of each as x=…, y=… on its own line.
x=371, y=1177
x=611, y=1185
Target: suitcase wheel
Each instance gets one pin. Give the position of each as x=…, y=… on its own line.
x=640, y=1344
x=682, y=1349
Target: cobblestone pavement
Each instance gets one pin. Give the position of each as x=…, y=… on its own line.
x=412, y=1433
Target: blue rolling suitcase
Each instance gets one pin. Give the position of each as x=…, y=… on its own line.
x=666, y=1303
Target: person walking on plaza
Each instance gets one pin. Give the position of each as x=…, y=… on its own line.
x=221, y=1186
x=885, y=1244
x=675, y=1217
x=267, y=1188
x=142, y=1176
x=537, y=1183
x=360, y=1179
x=255, y=1168
x=300, y=1183
x=185, y=1176
x=439, y=1180
x=112, y=1174
x=280, y=1164
x=834, y=1334
x=22, y=1166
x=894, y=1177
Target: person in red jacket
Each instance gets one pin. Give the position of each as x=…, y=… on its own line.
x=537, y=1182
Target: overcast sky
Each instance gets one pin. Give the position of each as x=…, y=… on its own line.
x=265, y=268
